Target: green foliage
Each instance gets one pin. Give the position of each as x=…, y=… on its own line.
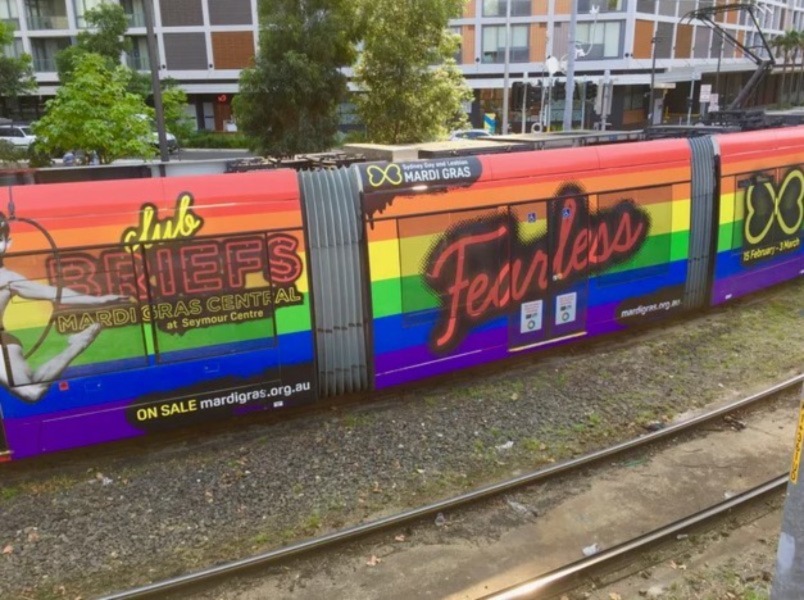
x=107, y=25
x=288, y=101
x=174, y=99
x=9, y=153
x=16, y=74
x=411, y=87
x=211, y=139
x=94, y=112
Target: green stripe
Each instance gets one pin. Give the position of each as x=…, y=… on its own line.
x=128, y=342
x=387, y=294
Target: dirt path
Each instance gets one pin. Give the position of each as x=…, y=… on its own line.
x=475, y=553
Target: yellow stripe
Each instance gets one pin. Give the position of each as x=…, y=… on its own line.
x=727, y=208
x=384, y=257
x=681, y=216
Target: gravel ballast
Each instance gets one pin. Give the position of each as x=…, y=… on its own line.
x=86, y=523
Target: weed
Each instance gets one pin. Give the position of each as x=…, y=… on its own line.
x=355, y=420
x=9, y=493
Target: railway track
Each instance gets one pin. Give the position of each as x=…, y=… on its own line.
x=571, y=576
x=216, y=575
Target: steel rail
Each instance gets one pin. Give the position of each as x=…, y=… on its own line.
x=561, y=579
x=344, y=535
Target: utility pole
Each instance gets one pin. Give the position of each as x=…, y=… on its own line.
x=524, y=102
x=691, y=99
x=570, y=86
x=153, y=55
x=652, y=80
x=507, y=65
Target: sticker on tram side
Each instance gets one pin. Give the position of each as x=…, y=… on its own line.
x=223, y=399
x=641, y=309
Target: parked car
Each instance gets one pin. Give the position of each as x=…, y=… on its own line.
x=18, y=135
x=172, y=142
x=468, y=134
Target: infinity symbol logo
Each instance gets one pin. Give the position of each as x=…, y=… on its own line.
x=391, y=174
x=765, y=206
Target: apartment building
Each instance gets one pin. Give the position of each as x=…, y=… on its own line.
x=203, y=44
x=625, y=42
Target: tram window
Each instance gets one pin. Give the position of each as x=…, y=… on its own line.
x=663, y=245
x=63, y=318
x=210, y=296
x=430, y=245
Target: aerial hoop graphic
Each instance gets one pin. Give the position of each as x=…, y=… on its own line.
x=16, y=373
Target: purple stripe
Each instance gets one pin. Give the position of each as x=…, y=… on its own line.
x=419, y=362
x=751, y=281
x=35, y=435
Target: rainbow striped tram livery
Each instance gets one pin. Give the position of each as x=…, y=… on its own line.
x=135, y=306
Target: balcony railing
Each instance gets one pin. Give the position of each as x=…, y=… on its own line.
x=136, y=19
x=138, y=63
x=44, y=65
x=48, y=22
x=516, y=55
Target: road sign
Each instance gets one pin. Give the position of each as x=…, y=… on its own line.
x=706, y=92
x=714, y=102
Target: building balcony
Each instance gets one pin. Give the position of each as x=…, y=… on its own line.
x=44, y=65
x=44, y=22
x=136, y=19
x=138, y=63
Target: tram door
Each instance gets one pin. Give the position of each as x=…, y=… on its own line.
x=548, y=271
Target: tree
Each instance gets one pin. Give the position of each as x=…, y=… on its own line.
x=288, y=101
x=411, y=89
x=801, y=68
x=94, y=112
x=107, y=25
x=174, y=101
x=16, y=73
x=788, y=44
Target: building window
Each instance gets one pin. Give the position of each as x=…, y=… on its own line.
x=138, y=58
x=135, y=12
x=9, y=14
x=44, y=52
x=604, y=6
x=498, y=8
x=15, y=49
x=47, y=14
x=81, y=9
x=600, y=40
x=494, y=44
x=646, y=6
x=458, y=56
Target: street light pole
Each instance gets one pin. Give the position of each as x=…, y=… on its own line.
x=524, y=102
x=155, y=83
x=506, y=73
x=570, y=86
x=652, y=80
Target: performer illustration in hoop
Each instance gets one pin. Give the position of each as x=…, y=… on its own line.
x=15, y=373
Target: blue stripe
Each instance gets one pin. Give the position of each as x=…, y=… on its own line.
x=83, y=392
x=403, y=331
x=729, y=263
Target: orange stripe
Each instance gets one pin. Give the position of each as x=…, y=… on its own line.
x=741, y=164
x=27, y=239
x=493, y=194
x=114, y=202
